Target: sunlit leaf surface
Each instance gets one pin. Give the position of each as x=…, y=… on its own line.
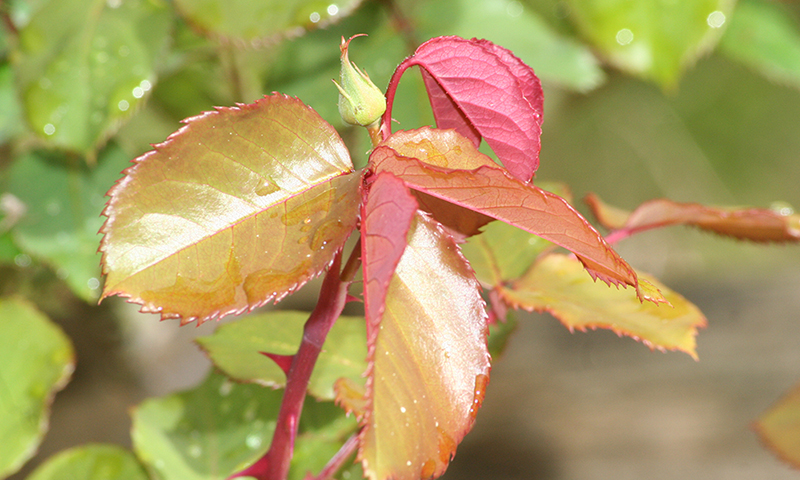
x=449, y=149
x=63, y=200
x=241, y=206
x=37, y=360
x=84, y=65
x=253, y=21
x=764, y=35
x=779, y=427
x=429, y=364
x=91, y=462
x=234, y=348
x=221, y=426
x=493, y=192
x=779, y=224
x=557, y=285
x=483, y=91
x=652, y=39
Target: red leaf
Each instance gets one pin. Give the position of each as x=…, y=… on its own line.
x=387, y=212
x=756, y=224
x=481, y=90
x=241, y=206
x=493, y=192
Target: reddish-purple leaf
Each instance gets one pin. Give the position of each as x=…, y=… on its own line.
x=756, y=224
x=428, y=359
x=481, y=90
x=241, y=206
x=493, y=192
x=387, y=212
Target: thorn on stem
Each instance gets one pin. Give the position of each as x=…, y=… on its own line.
x=284, y=362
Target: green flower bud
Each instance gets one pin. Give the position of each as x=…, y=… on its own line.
x=360, y=101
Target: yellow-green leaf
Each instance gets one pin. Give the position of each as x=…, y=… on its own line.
x=779, y=427
x=557, y=284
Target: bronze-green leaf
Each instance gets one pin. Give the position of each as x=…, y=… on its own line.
x=429, y=363
x=558, y=285
x=241, y=206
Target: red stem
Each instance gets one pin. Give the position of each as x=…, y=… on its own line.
x=274, y=465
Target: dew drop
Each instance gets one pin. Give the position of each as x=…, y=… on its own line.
x=253, y=441
x=123, y=105
x=225, y=388
x=49, y=129
x=315, y=17
x=267, y=187
x=402, y=409
x=22, y=260
x=715, y=19
x=624, y=36
x=93, y=283
x=195, y=450
x=138, y=92
x=481, y=381
x=408, y=463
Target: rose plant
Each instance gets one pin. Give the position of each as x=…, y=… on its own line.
x=244, y=205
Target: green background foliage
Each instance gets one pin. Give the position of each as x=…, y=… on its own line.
x=696, y=101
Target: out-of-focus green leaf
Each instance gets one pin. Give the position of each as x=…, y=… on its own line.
x=517, y=27
x=91, y=462
x=63, y=199
x=428, y=363
x=502, y=252
x=652, y=39
x=36, y=360
x=779, y=427
x=255, y=21
x=558, y=285
x=11, y=117
x=234, y=348
x=85, y=65
x=221, y=426
x=763, y=35
x=242, y=206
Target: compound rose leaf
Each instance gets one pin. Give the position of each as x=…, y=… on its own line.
x=557, y=285
x=428, y=360
x=779, y=427
x=493, y=192
x=778, y=224
x=241, y=206
x=483, y=91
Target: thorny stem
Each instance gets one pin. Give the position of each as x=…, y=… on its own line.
x=274, y=465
